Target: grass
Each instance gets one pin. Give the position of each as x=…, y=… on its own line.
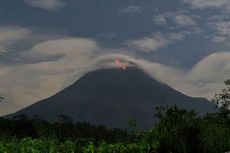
x=28, y=145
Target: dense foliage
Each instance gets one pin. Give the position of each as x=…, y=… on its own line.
x=178, y=131
x=21, y=127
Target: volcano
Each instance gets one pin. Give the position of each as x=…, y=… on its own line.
x=111, y=96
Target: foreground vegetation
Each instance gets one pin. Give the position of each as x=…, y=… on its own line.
x=178, y=131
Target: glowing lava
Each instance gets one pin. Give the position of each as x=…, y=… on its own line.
x=117, y=61
x=121, y=65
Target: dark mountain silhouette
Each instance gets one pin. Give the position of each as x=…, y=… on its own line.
x=111, y=96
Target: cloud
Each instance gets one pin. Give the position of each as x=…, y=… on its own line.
x=15, y=39
x=203, y=4
x=220, y=29
x=180, y=19
x=160, y=20
x=219, y=39
x=155, y=42
x=12, y=35
x=184, y=21
x=211, y=68
x=132, y=9
x=66, y=46
x=208, y=74
x=45, y=4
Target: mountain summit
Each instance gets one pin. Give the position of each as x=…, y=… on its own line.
x=111, y=96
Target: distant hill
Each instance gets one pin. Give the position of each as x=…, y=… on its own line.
x=111, y=96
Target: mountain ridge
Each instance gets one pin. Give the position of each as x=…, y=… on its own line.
x=111, y=96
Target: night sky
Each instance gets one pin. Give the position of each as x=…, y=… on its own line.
x=45, y=45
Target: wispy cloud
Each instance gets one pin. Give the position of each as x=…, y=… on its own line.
x=132, y=9
x=46, y=4
x=160, y=20
x=203, y=4
x=179, y=19
x=11, y=35
x=221, y=31
x=154, y=42
x=184, y=21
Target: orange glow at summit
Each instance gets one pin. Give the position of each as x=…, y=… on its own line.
x=121, y=65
